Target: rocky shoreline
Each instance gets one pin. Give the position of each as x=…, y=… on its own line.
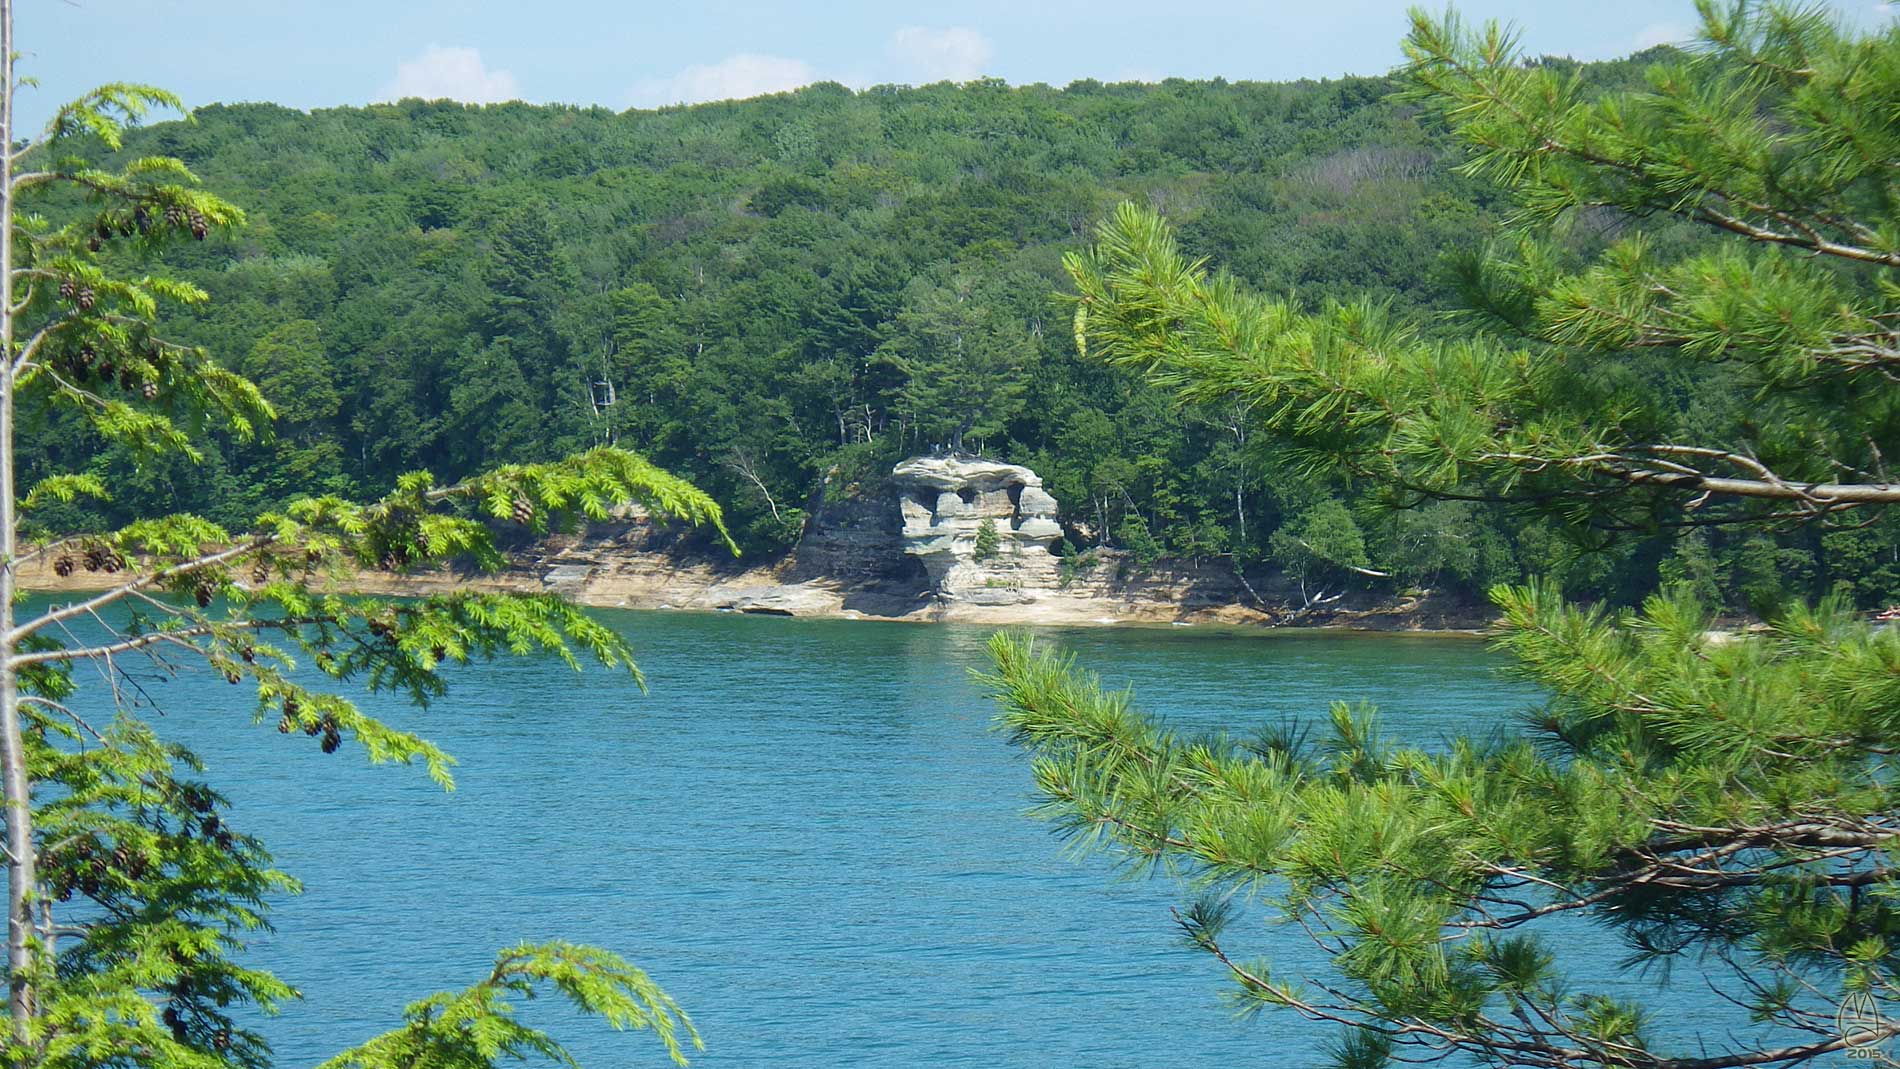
x=616, y=566
x=944, y=540
x=659, y=581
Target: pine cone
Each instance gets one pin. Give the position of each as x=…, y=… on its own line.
x=524, y=510
x=150, y=391
x=95, y=559
x=87, y=354
x=202, y=595
x=174, y=215
x=142, y=219
x=260, y=574
x=331, y=740
x=63, y=567
x=284, y=724
x=199, y=226
x=67, y=289
x=86, y=298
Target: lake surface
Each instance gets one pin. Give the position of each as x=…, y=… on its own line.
x=807, y=833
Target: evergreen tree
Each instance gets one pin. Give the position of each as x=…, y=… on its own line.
x=962, y=359
x=129, y=887
x=1724, y=804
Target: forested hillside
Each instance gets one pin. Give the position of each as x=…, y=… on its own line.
x=769, y=295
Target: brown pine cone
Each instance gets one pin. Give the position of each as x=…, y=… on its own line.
x=150, y=390
x=63, y=567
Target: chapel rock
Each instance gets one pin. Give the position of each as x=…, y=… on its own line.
x=945, y=502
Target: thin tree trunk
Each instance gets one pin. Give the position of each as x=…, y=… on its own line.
x=14, y=786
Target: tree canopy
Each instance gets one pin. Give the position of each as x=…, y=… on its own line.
x=761, y=294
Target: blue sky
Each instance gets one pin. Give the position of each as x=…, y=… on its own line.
x=625, y=53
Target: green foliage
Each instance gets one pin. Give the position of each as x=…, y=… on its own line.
x=1440, y=882
x=1075, y=565
x=821, y=278
x=815, y=279
x=1777, y=352
x=1325, y=542
x=476, y=1027
x=1721, y=802
x=131, y=893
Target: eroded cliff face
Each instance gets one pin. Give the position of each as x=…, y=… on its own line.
x=906, y=550
x=946, y=503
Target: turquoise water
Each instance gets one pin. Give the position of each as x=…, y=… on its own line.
x=807, y=833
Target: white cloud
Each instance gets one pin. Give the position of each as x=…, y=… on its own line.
x=1662, y=33
x=736, y=77
x=451, y=73
x=926, y=54
x=914, y=54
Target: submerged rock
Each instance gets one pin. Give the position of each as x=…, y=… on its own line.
x=945, y=504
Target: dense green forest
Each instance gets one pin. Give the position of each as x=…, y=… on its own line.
x=773, y=295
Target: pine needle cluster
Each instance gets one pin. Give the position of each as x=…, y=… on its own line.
x=1720, y=802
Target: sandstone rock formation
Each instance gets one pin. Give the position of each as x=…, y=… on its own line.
x=946, y=503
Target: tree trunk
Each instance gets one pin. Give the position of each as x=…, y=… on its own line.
x=14, y=786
